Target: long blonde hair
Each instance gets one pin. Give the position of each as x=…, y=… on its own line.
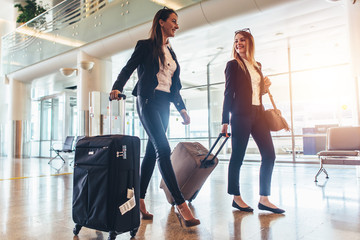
x=250, y=50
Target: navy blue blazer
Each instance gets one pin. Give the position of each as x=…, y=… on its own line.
x=238, y=90
x=147, y=67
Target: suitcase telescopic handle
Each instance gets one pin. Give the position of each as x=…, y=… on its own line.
x=123, y=96
x=205, y=163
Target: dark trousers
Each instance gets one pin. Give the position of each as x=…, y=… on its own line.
x=241, y=128
x=154, y=116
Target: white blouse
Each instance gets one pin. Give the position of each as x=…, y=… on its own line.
x=166, y=71
x=255, y=82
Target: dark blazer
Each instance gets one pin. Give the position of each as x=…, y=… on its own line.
x=238, y=90
x=147, y=67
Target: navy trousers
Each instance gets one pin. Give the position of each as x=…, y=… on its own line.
x=241, y=128
x=154, y=115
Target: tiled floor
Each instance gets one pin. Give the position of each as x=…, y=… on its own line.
x=35, y=203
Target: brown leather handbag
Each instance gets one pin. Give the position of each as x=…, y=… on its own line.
x=273, y=117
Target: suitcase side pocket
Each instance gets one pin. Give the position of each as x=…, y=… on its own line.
x=98, y=192
x=80, y=196
x=91, y=189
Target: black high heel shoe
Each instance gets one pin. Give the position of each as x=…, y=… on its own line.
x=247, y=209
x=188, y=223
x=274, y=210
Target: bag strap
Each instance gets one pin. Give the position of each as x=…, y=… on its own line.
x=286, y=126
x=272, y=100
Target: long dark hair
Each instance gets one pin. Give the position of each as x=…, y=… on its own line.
x=156, y=34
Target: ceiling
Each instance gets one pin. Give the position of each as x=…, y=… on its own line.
x=301, y=25
x=308, y=27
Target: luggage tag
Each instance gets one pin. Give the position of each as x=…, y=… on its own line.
x=130, y=204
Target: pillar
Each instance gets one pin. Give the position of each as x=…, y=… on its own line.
x=97, y=79
x=5, y=27
x=353, y=12
x=19, y=114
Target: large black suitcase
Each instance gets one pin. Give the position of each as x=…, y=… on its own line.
x=106, y=184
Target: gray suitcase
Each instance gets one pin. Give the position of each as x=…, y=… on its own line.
x=192, y=164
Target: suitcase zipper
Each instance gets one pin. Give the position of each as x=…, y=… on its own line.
x=82, y=164
x=93, y=147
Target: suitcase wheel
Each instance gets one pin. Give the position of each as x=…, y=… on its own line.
x=112, y=235
x=133, y=232
x=76, y=229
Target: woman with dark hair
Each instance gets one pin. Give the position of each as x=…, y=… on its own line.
x=244, y=87
x=158, y=85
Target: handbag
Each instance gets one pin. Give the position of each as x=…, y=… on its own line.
x=273, y=117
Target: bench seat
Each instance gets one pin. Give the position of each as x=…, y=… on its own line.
x=342, y=148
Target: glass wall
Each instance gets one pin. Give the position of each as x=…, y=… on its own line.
x=3, y=143
x=49, y=126
x=309, y=70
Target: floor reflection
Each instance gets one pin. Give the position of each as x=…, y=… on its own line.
x=36, y=203
x=57, y=166
x=173, y=228
x=266, y=221
x=238, y=218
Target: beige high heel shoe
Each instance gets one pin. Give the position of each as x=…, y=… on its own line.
x=146, y=215
x=188, y=223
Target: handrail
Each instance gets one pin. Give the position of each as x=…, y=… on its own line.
x=68, y=11
x=72, y=24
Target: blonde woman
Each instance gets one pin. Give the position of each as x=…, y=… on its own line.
x=244, y=88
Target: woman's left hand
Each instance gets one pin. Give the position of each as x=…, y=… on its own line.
x=267, y=83
x=185, y=117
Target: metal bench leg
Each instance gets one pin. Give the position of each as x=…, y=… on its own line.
x=57, y=155
x=318, y=173
x=62, y=158
x=322, y=169
x=52, y=159
x=327, y=175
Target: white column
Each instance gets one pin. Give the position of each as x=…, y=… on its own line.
x=353, y=11
x=97, y=79
x=19, y=114
x=354, y=34
x=6, y=25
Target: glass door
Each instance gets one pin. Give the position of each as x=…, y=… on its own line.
x=45, y=127
x=73, y=120
x=52, y=119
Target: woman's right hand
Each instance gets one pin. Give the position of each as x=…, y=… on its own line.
x=114, y=95
x=224, y=129
x=185, y=117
